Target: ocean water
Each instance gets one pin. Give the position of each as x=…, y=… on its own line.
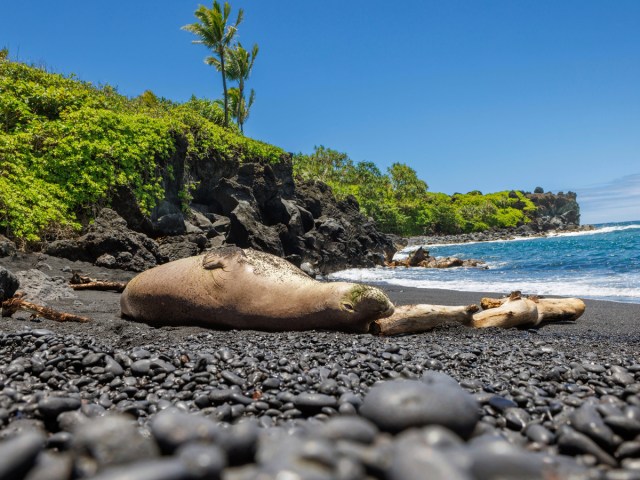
x=600, y=264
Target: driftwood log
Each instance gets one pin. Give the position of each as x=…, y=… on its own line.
x=16, y=303
x=422, y=317
x=515, y=311
x=549, y=309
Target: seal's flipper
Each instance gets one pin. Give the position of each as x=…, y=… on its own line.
x=221, y=257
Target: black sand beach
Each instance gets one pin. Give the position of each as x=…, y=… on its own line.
x=529, y=384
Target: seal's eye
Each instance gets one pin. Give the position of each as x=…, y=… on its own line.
x=348, y=307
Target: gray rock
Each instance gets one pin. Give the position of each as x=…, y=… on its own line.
x=111, y=440
x=160, y=469
x=41, y=288
x=18, y=454
x=9, y=283
x=51, y=407
x=171, y=428
x=396, y=405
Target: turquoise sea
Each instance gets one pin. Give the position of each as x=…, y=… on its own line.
x=601, y=264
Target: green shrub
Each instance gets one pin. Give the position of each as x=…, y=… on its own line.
x=65, y=145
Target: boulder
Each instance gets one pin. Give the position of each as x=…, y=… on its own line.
x=7, y=247
x=9, y=283
x=110, y=240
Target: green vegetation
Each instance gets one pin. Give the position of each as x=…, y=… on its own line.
x=66, y=146
x=400, y=202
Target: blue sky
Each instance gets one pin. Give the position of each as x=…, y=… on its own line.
x=486, y=95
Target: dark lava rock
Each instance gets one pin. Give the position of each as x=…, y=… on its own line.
x=397, y=405
x=109, y=236
x=171, y=428
x=7, y=247
x=8, y=284
x=110, y=440
x=51, y=407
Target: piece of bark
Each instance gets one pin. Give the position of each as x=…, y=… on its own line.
x=15, y=303
x=422, y=317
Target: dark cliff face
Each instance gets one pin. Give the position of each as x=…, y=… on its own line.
x=257, y=205
x=555, y=211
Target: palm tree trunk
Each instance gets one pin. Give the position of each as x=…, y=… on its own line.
x=224, y=91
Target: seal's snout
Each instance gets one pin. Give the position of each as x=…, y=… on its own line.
x=368, y=302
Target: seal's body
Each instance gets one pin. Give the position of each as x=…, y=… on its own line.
x=246, y=289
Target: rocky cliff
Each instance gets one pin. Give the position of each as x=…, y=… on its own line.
x=253, y=204
x=554, y=211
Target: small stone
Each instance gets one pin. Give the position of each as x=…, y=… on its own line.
x=313, y=402
x=51, y=407
x=202, y=460
x=172, y=427
x=160, y=469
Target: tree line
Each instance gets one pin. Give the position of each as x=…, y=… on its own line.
x=401, y=203
x=231, y=59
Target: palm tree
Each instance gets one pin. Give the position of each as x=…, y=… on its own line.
x=239, y=106
x=215, y=34
x=239, y=69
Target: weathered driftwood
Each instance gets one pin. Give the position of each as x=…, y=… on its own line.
x=15, y=303
x=549, y=309
x=80, y=282
x=515, y=311
x=422, y=317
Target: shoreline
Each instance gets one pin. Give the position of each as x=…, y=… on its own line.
x=602, y=318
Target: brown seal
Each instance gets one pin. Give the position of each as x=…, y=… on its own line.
x=247, y=289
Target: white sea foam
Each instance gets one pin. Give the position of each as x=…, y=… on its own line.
x=583, y=288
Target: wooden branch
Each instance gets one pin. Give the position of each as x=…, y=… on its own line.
x=80, y=282
x=99, y=285
x=15, y=303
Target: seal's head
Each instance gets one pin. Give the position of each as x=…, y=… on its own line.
x=363, y=302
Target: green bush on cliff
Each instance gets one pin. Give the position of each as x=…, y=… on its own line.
x=65, y=145
x=400, y=202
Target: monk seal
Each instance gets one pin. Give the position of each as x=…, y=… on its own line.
x=247, y=289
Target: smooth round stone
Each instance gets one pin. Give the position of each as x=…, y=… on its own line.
x=539, y=434
x=623, y=425
x=353, y=428
x=172, y=427
x=18, y=454
x=111, y=440
x=202, y=460
x=160, y=469
x=400, y=404
x=587, y=420
x=493, y=457
x=501, y=404
x=629, y=449
x=51, y=407
x=517, y=418
x=313, y=402
x=573, y=442
x=141, y=367
x=240, y=442
x=112, y=366
x=415, y=462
